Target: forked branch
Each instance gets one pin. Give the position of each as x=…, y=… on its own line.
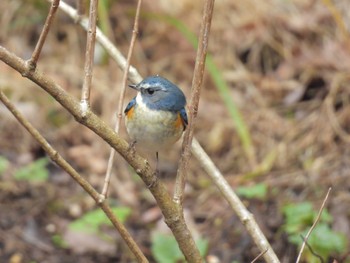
x=39, y=45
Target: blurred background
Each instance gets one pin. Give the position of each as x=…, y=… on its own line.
x=274, y=116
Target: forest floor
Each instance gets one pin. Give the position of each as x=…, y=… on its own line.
x=287, y=67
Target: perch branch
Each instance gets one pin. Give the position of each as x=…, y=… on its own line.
x=313, y=225
x=121, y=100
x=172, y=214
x=89, y=57
x=195, y=95
x=60, y=161
x=39, y=45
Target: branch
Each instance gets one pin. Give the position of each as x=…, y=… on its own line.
x=133, y=76
x=313, y=225
x=60, y=161
x=39, y=45
x=121, y=99
x=236, y=204
x=258, y=256
x=195, y=95
x=172, y=214
x=89, y=56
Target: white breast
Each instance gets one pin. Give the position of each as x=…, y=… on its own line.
x=151, y=129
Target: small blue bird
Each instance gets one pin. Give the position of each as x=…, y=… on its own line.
x=156, y=118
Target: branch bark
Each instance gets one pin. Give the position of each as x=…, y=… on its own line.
x=121, y=100
x=89, y=56
x=236, y=204
x=39, y=45
x=195, y=95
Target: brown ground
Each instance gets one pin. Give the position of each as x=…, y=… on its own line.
x=287, y=65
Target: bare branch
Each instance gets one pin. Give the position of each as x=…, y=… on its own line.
x=60, y=161
x=89, y=56
x=313, y=225
x=195, y=95
x=121, y=100
x=259, y=256
x=236, y=204
x=39, y=45
x=311, y=250
x=172, y=213
x=133, y=76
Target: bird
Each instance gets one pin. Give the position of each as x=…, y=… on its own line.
x=156, y=117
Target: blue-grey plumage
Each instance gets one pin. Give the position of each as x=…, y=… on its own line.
x=156, y=117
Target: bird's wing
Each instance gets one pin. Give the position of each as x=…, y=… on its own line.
x=131, y=104
x=184, y=118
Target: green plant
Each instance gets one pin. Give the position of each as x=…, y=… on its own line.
x=59, y=241
x=4, y=163
x=34, y=172
x=165, y=248
x=323, y=240
x=93, y=220
x=258, y=191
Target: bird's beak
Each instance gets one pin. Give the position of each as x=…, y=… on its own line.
x=134, y=86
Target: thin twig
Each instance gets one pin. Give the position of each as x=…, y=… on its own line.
x=236, y=204
x=311, y=250
x=39, y=45
x=172, y=213
x=89, y=57
x=195, y=95
x=60, y=161
x=259, y=256
x=133, y=76
x=313, y=225
x=121, y=100
x=213, y=172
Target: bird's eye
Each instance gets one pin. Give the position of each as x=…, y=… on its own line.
x=150, y=91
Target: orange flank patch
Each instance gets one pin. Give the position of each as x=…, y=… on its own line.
x=130, y=112
x=179, y=123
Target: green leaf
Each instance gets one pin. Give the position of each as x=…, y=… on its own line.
x=4, y=163
x=300, y=216
x=322, y=240
x=34, y=172
x=325, y=239
x=166, y=250
x=59, y=241
x=93, y=220
x=256, y=191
